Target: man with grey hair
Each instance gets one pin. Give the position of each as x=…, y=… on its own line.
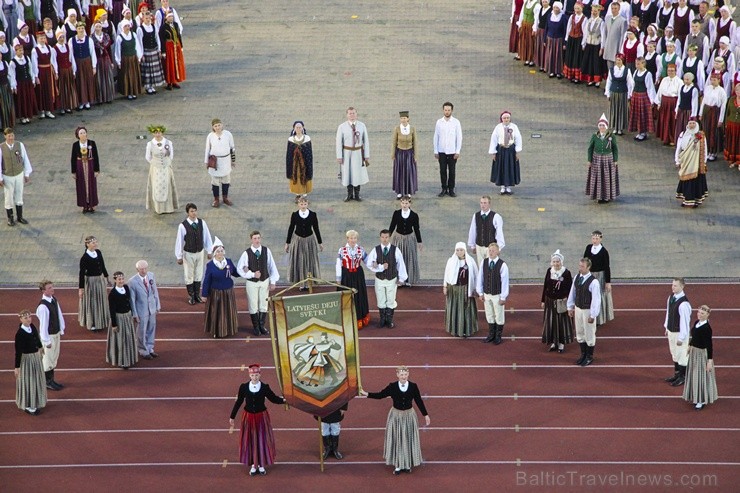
x=144, y=307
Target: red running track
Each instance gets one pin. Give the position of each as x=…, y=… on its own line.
x=504, y=418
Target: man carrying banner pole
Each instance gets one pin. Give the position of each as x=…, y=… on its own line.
x=387, y=262
x=258, y=267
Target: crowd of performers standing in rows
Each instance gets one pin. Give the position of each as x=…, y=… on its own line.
x=662, y=67
x=53, y=64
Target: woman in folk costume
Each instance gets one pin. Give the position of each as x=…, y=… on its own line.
x=665, y=14
x=108, y=28
x=31, y=14
x=555, y=38
x=541, y=15
x=91, y=10
x=83, y=50
x=602, y=271
x=170, y=41
x=7, y=105
x=30, y=389
x=719, y=69
x=592, y=63
x=516, y=9
x=712, y=112
x=349, y=273
x=6, y=52
x=22, y=85
x=51, y=37
x=669, y=37
x=527, y=30
x=70, y=24
x=44, y=64
x=218, y=287
x=67, y=67
x=405, y=234
x=688, y=104
x=666, y=58
x=691, y=161
x=732, y=129
x=94, y=311
x=104, y=73
x=506, y=144
x=666, y=99
x=152, y=73
x=617, y=91
x=681, y=21
x=143, y=10
x=558, y=326
x=602, y=181
x=651, y=62
x=161, y=192
x=26, y=40
x=694, y=65
x=85, y=169
x=256, y=440
x=701, y=383
x=460, y=278
x=121, y=346
x=574, y=44
x=725, y=54
x=13, y=13
x=404, y=150
x=632, y=49
x=641, y=94
x=651, y=34
x=116, y=10
x=303, y=244
x=127, y=17
x=299, y=161
x=725, y=25
x=128, y=55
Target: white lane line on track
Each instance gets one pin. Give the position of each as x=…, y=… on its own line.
x=349, y=463
x=436, y=428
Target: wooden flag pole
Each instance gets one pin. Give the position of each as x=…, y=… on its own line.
x=321, y=447
x=310, y=283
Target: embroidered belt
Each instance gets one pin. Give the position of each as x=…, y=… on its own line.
x=348, y=148
x=44, y=66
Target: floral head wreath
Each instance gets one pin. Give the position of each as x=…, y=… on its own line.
x=156, y=128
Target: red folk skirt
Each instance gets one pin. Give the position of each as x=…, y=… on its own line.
x=732, y=143
x=526, y=42
x=641, y=115
x=256, y=441
x=667, y=120
x=174, y=70
x=513, y=36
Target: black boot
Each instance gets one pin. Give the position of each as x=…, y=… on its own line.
x=196, y=292
x=676, y=373
x=58, y=385
x=491, y=333
x=191, y=294
x=11, y=220
x=389, y=318
x=335, y=447
x=497, y=337
x=327, y=446
x=19, y=212
x=442, y=193
x=681, y=377
x=589, y=356
x=255, y=323
x=262, y=316
x=381, y=317
x=584, y=347
x=49, y=385
x=349, y=193
x=357, y=194
x=451, y=192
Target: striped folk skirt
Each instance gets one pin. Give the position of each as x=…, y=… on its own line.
x=732, y=143
x=692, y=193
x=573, y=58
x=540, y=43
x=7, y=106
x=402, y=448
x=221, y=316
x=461, y=312
x=666, y=127
x=592, y=64
x=641, y=115
x=152, y=73
x=513, y=36
x=94, y=311
x=558, y=327
x=554, y=56
x=526, y=42
x=85, y=81
x=67, y=99
x=356, y=280
x=618, y=111
x=121, y=348
x=602, y=181
x=30, y=386
x=606, y=312
x=104, y=80
x=505, y=169
x=304, y=258
x=410, y=252
x=709, y=120
x=405, y=179
x=129, y=77
x=256, y=441
x=701, y=385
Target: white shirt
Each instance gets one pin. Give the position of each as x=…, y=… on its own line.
x=447, y=136
x=42, y=313
x=180, y=240
x=595, y=290
x=504, y=278
x=684, y=313
x=220, y=147
x=372, y=256
x=714, y=96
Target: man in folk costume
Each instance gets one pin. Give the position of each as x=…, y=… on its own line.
x=16, y=171
x=170, y=40
x=697, y=38
x=486, y=227
x=51, y=329
x=390, y=270
x=161, y=14
x=353, y=154
x=677, y=325
x=192, y=242
x=493, y=289
x=691, y=161
x=615, y=27
x=258, y=267
x=584, y=304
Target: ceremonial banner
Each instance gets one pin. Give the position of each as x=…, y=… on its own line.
x=316, y=352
